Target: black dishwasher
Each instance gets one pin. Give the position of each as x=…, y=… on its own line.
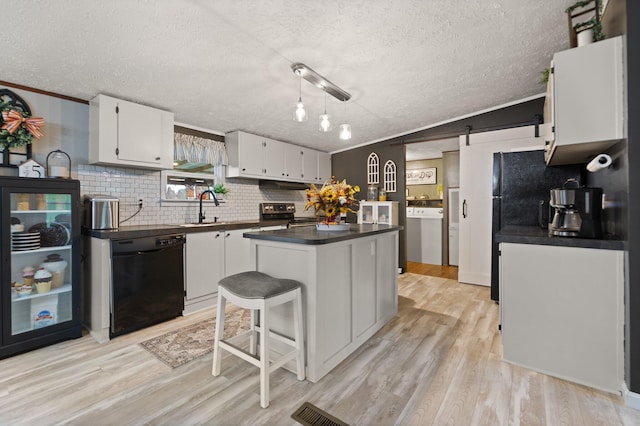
x=147, y=284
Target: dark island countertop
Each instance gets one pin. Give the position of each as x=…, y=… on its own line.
x=309, y=235
x=141, y=231
x=536, y=235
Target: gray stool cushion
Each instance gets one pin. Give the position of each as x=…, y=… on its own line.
x=256, y=285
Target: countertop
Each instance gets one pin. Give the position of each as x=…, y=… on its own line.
x=310, y=236
x=141, y=231
x=539, y=236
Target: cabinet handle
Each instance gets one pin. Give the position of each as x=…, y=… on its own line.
x=244, y=170
x=227, y=235
x=157, y=158
x=464, y=209
x=217, y=235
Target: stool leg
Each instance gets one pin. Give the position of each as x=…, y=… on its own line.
x=252, y=336
x=264, y=357
x=220, y=315
x=299, y=333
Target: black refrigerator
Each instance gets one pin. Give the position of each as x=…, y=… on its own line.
x=521, y=184
x=40, y=263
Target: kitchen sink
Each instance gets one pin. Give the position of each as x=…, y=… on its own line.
x=193, y=225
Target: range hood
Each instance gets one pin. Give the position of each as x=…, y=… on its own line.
x=276, y=184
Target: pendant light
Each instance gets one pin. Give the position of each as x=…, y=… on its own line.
x=300, y=114
x=325, y=124
x=345, y=129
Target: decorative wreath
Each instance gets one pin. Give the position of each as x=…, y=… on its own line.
x=17, y=126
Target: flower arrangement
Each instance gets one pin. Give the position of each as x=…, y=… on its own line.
x=17, y=127
x=332, y=199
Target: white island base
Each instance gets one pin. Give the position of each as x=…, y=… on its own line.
x=349, y=288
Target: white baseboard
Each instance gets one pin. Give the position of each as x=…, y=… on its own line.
x=632, y=399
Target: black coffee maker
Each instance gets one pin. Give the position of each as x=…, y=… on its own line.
x=577, y=211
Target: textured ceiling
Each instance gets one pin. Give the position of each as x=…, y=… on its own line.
x=225, y=65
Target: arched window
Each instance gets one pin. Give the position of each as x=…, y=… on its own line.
x=390, y=176
x=373, y=169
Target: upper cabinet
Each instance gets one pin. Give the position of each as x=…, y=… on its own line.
x=585, y=102
x=258, y=157
x=128, y=134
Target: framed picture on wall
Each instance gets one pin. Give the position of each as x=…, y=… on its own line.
x=421, y=176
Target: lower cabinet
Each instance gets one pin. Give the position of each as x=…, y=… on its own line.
x=561, y=311
x=237, y=252
x=204, y=265
x=211, y=256
x=350, y=291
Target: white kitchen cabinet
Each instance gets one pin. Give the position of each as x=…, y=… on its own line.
x=349, y=290
x=204, y=265
x=586, y=101
x=562, y=312
x=293, y=162
x=128, y=134
x=324, y=167
x=380, y=212
x=237, y=252
x=476, y=174
x=310, y=165
x=254, y=156
x=257, y=157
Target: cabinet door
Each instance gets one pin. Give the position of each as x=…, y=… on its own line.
x=139, y=133
x=309, y=165
x=364, y=285
x=386, y=276
x=476, y=174
x=367, y=213
x=274, y=158
x=40, y=262
x=293, y=157
x=562, y=312
x=237, y=252
x=588, y=92
x=250, y=154
x=384, y=214
x=204, y=260
x=324, y=167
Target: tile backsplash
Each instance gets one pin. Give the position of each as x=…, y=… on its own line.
x=130, y=185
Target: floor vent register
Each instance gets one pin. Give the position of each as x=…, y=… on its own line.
x=310, y=415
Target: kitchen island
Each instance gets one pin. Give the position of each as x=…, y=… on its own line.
x=349, y=285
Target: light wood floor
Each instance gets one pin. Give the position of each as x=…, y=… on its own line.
x=442, y=271
x=438, y=362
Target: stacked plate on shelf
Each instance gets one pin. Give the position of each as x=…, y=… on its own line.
x=25, y=241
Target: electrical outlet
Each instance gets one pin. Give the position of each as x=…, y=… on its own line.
x=140, y=203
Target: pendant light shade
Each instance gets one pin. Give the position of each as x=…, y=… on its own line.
x=345, y=132
x=345, y=128
x=325, y=124
x=300, y=114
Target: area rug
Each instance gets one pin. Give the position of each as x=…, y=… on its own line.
x=181, y=346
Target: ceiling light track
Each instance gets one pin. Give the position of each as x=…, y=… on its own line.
x=320, y=82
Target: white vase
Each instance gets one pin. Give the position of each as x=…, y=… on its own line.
x=585, y=37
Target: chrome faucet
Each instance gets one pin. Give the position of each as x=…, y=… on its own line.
x=201, y=216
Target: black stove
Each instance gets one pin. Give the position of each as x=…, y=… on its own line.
x=284, y=211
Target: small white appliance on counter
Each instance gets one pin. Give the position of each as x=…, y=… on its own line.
x=424, y=235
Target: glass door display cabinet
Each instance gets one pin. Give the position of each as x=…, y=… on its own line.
x=378, y=212
x=40, y=267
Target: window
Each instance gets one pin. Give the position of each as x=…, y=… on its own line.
x=373, y=169
x=390, y=176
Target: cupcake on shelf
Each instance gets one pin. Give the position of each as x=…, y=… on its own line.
x=42, y=280
x=28, y=273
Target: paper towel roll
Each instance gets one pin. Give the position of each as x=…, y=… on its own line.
x=602, y=161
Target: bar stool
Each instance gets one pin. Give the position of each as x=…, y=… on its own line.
x=260, y=292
